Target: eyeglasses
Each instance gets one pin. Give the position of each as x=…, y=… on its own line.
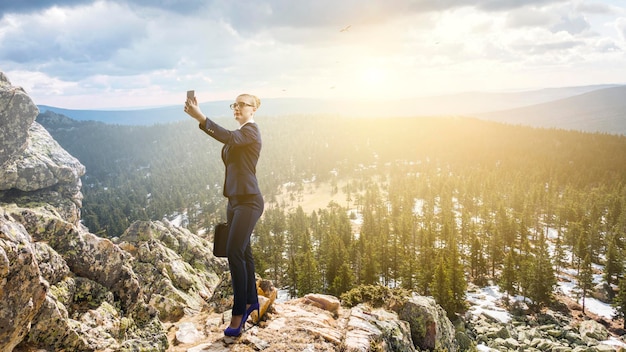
x=240, y=105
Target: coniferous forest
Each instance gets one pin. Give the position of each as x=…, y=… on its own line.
x=443, y=201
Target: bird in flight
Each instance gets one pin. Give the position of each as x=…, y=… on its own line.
x=345, y=29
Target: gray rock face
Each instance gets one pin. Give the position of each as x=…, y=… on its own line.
x=175, y=267
x=17, y=113
x=33, y=167
x=367, y=327
x=91, y=298
x=22, y=288
x=430, y=327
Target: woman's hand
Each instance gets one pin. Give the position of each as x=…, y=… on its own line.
x=192, y=109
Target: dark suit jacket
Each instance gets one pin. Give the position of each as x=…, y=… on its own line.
x=240, y=155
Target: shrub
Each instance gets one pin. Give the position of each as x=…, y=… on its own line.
x=374, y=295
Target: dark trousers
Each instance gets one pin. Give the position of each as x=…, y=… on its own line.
x=242, y=214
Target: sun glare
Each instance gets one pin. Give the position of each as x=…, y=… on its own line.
x=373, y=76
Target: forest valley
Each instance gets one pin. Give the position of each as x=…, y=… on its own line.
x=441, y=202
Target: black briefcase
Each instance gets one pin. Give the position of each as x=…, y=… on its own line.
x=220, y=239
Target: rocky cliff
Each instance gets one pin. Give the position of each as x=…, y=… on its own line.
x=155, y=288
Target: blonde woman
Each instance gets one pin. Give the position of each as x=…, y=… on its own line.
x=240, y=154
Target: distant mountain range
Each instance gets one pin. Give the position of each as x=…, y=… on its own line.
x=602, y=110
x=596, y=108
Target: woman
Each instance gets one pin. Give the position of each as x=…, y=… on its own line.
x=245, y=203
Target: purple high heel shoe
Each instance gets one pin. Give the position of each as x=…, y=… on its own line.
x=233, y=332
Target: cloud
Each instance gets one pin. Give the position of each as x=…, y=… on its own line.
x=249, y=15
x=27, y=6
x=594, y=8
x=30, y=6
x=529, y=17
x=559, y=46
x=558, y=18
x=504, y=5
x=620, y=26
x=59, y=37
x=110, y=38
x=573, y=24
x=161, y=47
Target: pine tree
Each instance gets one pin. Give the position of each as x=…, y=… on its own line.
x=335, y=261
x=559, y=252
x=619, y=302
x=309, y=279
x=509, y=275
x=370, y=267
x=426, y=271
x=343, y=281
x=585, y=279
x=478, y=263
x=408, y=260
x=525, y=274
x=614, y=262
x=542, y=276
x=458, y=284
x=440, y=287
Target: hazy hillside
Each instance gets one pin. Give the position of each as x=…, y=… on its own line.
x=122, y=117
x=481, y=102
x=456, y=104
x=601, y=110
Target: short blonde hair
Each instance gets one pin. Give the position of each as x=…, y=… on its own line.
x=257, y=101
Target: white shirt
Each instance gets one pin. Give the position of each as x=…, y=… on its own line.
x=249, y=121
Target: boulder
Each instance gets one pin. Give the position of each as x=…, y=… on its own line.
x=591, y=329
x=188, y=333
x=603, y=292
x=430, y=327
x=325, y=302
x=267, y=295
x=33, y=167
x=369, y=327
x=17, y=113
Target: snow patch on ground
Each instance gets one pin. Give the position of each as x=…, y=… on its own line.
x=591, y=304
x=486, y=302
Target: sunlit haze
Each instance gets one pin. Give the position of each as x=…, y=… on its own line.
x=133, y=53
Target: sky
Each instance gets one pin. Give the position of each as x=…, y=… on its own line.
x=110, y=54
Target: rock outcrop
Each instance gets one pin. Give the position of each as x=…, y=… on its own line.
x=430, y=328
x=312, y=323
x=17, y=113
x=34, y=168
x=22, y=287
x=61, y=287
x=175, y=267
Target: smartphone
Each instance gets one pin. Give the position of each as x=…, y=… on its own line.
x=190, y=94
